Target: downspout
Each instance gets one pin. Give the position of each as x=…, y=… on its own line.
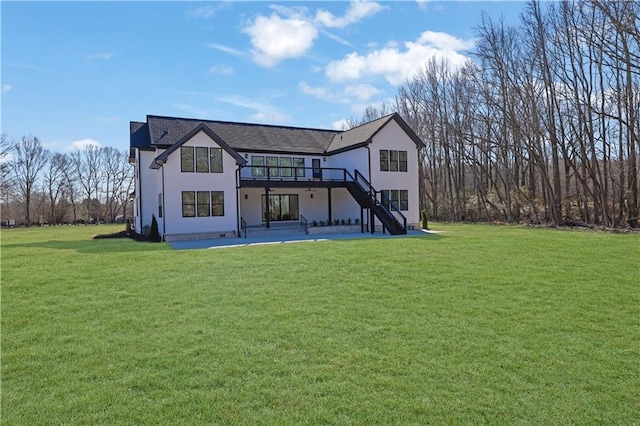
x=164, y=207
x=371, y=220
x=164, y=212
x=139, y=194
x=238, y=198
x=369, y=159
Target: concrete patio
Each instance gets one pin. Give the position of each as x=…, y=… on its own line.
x=285, y=237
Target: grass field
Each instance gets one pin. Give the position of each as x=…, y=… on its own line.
x=477, y=325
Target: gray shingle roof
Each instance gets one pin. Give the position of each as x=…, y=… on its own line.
x=242, y=136
x=164, y=132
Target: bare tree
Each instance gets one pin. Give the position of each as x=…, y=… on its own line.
x=86, y=164
x=54, y=182
x=117, y=177
x=30, y=159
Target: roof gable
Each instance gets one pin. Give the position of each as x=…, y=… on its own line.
x=363, y=135
x=170, y=133
x=162, y=158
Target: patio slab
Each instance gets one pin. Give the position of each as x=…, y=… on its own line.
x=283, y=238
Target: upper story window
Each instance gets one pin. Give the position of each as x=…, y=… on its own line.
x=278, y=166
x=200, y=159
x=186, y=159
x=215, y=158
x=257, y=166
x=393, y=161
x=298, y=163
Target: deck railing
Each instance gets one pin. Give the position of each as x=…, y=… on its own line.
x=304, y=224
x=294, y=174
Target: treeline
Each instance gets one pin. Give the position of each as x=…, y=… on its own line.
x=541, y=126
x=88, y=185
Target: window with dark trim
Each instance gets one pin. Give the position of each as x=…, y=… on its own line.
x=272, y=164
x=215, y=158
x=399, y=198
x=285, y=167
x=393, y=161
x=203, y=204
x=217, y=203
x=202, y=159
x=257, y=163
x=403, y=205
x=188, y=204
x=186, y=159
x=402, y=156
x=384, y=160
x=298, y=163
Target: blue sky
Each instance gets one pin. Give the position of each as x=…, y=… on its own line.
x=78, y=72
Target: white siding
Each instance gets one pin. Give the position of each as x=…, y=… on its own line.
x=351, y=160
x=148, y=193
x=393, y=137
x=176, y=181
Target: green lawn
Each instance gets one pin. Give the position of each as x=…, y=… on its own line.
x=479, y=324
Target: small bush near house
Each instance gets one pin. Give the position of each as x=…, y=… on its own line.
x=424, y=224
x=154, y=234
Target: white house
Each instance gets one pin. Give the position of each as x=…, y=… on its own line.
x=215, y=178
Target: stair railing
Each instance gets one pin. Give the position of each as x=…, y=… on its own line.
x=384, y=202
x=243, y=226
x=304, y=224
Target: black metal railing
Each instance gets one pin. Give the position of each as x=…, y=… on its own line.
x=383, y=202
x=294, y=174
x=243, y=227
x=304, y=224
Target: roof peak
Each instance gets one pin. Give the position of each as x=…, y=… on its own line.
x=239, y=123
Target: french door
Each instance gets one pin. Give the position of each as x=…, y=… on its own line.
x=281, y=207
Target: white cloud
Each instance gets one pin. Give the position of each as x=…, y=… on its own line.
x=205, y=12
x=264, y=112
x=322, y=93
x=357, y=10
x=444, y=41
x=82, y=144
x=270, y=117
x=336, y=38
x=362, y=91
x=100, y=55
x=225, y=49
x=6, y=88
x=221, y=69
x=275, y=39
x=340, y=124
x=397, y=64
x=290, y=31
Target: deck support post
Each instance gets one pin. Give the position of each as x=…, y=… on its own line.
x=361, y=220
x=372, y=221
x=267, y=213
x=329, y=198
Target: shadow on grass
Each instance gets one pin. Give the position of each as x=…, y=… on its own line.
x=99, y=244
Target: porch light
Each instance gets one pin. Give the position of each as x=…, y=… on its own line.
x=246, y=196
x=311, y=195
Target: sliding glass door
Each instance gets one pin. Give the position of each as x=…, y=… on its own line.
x=281, y=207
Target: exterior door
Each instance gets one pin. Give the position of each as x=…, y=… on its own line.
x=281, y=207
x=317, y=172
